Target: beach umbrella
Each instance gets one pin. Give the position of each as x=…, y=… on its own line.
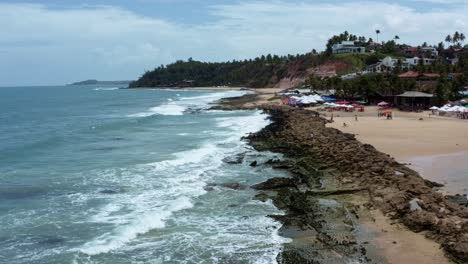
x=434, y=108
x=383, y=103
x=342, y=102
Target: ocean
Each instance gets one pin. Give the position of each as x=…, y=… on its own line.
x=97, y=174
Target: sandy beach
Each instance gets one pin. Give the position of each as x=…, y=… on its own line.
x=436, y=147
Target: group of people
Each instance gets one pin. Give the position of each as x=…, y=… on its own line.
x=387, y=113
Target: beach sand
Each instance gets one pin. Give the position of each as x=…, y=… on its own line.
x=437, y=147
x=391, y=242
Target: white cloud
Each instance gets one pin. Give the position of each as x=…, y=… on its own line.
x=41, y=45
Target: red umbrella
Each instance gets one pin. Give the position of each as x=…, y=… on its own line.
x=342, y=102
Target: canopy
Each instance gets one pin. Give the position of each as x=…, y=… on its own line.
x=414, y=94
x=328, y=99
x=343, y=102
x=449, y=108
x=383, y=103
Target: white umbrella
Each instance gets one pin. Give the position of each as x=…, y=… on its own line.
x=434, y=108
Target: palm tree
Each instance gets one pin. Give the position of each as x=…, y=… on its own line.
x=396, y=37
x=448, y=39
x=456, y=37
x=462, y=37
x=377, y=31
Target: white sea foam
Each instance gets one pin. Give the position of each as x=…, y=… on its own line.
x=106, y=88
x=158, y=190
x=176, y=107
x=141, y=225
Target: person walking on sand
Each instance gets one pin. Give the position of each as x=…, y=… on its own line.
x=355, y=117
x=345, y=125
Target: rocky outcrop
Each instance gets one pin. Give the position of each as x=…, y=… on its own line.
x=331, y=165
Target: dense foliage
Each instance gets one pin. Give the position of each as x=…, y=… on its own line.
x=365, y=86
x=374, y=85
x=259, y=72
x=267, y=71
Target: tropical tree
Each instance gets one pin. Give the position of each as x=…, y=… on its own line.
x=456, y=37
x=462, y=37
x=377, y=32
x=396, y=37
x=440, y=47
x=448, y=39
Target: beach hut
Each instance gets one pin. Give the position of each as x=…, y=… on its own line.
x=413, y=101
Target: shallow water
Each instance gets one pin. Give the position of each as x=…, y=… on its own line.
x=94, y=174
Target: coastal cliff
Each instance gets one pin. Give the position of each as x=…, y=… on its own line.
x=266, y=71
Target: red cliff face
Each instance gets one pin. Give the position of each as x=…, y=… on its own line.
x=297, y=73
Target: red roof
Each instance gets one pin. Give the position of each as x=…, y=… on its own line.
x=410, y=48
x=431, y=75
x=410, y=74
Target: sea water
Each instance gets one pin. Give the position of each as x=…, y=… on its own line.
x=93, y=174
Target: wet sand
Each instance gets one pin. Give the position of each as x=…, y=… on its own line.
x=448, y=169
x=391, y=242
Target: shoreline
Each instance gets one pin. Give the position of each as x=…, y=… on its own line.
x=334, y=181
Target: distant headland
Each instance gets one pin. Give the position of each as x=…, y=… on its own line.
x=96, y=82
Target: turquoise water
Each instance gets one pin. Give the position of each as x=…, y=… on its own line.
x=94, y=174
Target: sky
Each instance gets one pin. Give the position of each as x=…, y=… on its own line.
x=58, y=42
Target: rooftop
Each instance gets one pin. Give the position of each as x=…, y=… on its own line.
x=414, y=94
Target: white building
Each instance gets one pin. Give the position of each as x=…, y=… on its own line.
x=432, y=50
x=416, y=60
x=388, y=64
x=347, y=47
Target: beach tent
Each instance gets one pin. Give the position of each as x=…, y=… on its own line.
x=328, y=99
x=307, y=100
x=317, y=98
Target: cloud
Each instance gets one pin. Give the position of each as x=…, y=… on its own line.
x=40, y=45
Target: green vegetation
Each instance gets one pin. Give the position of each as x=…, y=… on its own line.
x=259, y=72
x=267, y=71
x=371, y=85
x=365, y=86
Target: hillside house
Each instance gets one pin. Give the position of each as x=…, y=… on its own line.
x=347, y=47
x=452, y=55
